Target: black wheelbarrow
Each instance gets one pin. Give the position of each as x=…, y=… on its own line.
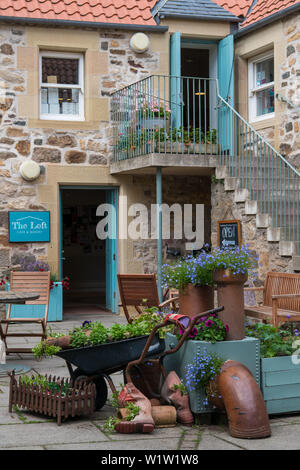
x=98, y=362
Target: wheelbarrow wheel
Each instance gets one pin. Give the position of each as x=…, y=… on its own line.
x=101, y=387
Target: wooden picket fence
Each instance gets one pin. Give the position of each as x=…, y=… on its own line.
x=66, y=400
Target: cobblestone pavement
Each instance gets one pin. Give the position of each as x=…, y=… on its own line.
x=21, y=430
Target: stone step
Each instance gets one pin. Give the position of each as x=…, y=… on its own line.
x=287, y=248
x=263, y=220
x=296, y=263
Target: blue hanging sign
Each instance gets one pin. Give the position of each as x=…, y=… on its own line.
x=29, y=226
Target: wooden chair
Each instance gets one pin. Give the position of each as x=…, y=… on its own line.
x=281, y=299
x=140, y=290
x=37, y=282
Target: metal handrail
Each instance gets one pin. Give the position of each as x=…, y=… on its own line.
x=282, y=98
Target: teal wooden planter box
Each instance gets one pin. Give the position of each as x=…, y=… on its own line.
x=246, y=351
x=55, y=312
x=280, y=384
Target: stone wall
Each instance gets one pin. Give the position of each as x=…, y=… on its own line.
x=176, y=189
x=46, y=146
x=290, y=86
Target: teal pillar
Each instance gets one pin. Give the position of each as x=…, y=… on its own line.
x=175, y=69
x=159, y=229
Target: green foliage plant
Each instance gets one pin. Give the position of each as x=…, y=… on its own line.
x=273, y=341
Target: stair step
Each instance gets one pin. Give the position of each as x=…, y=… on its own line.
x=263, y=220
x=251, y=207
x=296, y=263
x=231, y=184
x=286, y=248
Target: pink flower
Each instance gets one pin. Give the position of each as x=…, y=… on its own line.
x=193, y=333
x=208, y=323
x=226, y=327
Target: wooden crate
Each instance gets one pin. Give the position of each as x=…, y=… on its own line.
x=280, y=383
x=75, y=400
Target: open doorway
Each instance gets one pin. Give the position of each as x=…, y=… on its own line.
x=199, y=63
x=85, y=258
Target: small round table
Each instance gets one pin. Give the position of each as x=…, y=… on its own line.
x=15, y=297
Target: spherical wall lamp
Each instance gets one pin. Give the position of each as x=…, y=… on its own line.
x=30, y=170
x=139, y=42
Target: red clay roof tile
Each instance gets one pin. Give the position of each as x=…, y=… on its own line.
x=237, y=7
x=264, y=8
x=127, y=11
x=101, y=11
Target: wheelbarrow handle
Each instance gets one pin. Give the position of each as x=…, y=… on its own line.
x=188, y=330
x=194, y=320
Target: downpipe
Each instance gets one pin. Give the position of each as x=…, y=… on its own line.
x=236, y=391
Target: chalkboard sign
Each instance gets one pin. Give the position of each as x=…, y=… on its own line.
x=29, y=226
x=229, y=233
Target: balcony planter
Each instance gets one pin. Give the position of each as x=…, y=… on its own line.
x=155, y=123
x=196, y=299
x=280, y=384
x=55, y=312
x=230, y=289
x=246, y=351
x=179, y=147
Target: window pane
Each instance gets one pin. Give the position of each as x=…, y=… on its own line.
x=265, y=72
x=265, y=101
x=60, y=101
x=60, y=70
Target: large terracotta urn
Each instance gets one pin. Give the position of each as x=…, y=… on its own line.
x=196, y=299
x=230, y=293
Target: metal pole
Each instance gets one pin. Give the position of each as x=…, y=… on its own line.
x=159, y=229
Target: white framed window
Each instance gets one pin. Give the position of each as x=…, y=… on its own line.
x=61, y=86
x=261, y=87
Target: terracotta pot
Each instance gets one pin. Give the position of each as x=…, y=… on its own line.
x=230, y=290
x=196, y=299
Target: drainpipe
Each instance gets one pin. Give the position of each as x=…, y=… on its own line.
x=159, y=229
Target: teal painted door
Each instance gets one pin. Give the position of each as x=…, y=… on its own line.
x=175, y=68
x=111, y=253
x=226, y=90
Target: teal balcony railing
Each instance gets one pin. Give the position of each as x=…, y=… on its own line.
x=163, y=114
x=187, y=115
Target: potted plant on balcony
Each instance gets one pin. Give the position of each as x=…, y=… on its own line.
x=153, y=114
x=192, y=277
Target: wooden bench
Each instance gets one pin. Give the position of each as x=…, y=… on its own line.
x=281, y=299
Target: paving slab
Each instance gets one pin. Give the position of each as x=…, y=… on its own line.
x=282, y=438
x=15, y=435
x=133, y=444
x=210, y=442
